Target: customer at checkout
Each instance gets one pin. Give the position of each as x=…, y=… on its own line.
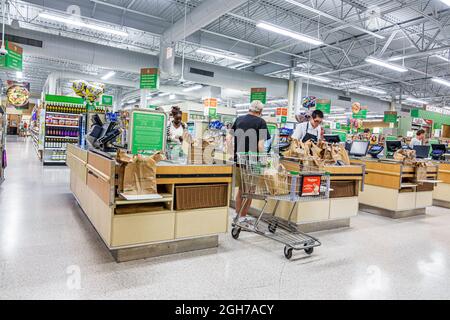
x=311, y=130
x=419, y=140
x=249, y=132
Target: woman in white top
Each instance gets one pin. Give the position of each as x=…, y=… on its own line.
x=176, y=128
x=310, y=130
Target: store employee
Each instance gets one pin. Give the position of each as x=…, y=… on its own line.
x=310, y=130
x=419, y=140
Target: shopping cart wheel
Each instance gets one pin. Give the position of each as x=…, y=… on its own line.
x=309, y=250
x=288, y=252
x=235, y=232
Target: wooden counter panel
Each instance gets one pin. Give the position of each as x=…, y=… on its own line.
x=193, y=180
x=189, y=170
x=77, y=167
x=137, y=229
x=382, y=180
x=201, y=222
x=444, y=173
x=102, y=164
x=101, y=187
x=77, y=151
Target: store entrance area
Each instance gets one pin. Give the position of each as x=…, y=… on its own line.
x=49, y=249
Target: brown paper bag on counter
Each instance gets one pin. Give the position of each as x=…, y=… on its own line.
x=139, y=173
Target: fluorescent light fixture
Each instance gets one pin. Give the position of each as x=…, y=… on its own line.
x=172, y=97
x=372, y=90
x=19, y=74
x=132, y=101
x=447, y=2
x=242, y=105
x=108, y=75
x=193, y=88
x=336, y=109
x=310, y=76
x=289, y=33
x=223, y=55
x=387, y=65
x=164, y=94
x=410, y=99
x=277, y=101
x=441, y=81
x=81, y=23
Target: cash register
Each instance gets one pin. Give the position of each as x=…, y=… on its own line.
x=438, y=152
x=392, y=147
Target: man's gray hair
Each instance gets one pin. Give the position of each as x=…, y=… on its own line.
x=256, y=106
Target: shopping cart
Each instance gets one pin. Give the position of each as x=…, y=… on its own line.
x=263, y=178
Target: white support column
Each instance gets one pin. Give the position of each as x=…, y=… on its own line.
x=298, y=95
x=291, y=99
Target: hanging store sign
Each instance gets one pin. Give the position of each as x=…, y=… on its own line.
x=390, y=116
x=282, y=115
x=107, y=100
x=149, y=78
x=259, y=94
x=358, y=111
x=210, y=110
x=323, y=105
x=14, y=59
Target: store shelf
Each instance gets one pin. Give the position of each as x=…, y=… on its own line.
x=70, y=119
x=166, y=197
x=59, y=137
x=59, y=126
x=64, y=113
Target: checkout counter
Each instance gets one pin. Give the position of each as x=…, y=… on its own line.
x=441, y=194
x=191, y=214
x=390, y=192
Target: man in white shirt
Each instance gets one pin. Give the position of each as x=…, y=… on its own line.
x=310, y=130
x=419, y=140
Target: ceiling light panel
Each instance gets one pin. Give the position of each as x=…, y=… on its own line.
x=289, y=33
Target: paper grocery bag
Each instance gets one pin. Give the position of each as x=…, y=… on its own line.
x=421, y=172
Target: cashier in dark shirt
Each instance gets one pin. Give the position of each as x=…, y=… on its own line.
x=250, y=132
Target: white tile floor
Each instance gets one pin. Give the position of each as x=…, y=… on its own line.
x=45, y=239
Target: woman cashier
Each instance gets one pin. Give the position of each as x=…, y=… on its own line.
x=310, y=130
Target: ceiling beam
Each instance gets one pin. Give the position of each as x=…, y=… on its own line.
x=201, y=16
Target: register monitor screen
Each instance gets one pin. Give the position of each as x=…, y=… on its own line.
x=440, y=147
x=422, y=152
x=359, y=148
x=392, y=146
x=332, y=138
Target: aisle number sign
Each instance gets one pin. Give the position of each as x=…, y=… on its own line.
x=210, y=109
x=282, y=114
x=14, y=59
x=258, y=94
x=323, y=105
x=149, y=78
x=148, y=132
x=107, y=100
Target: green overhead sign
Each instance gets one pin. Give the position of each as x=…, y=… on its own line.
x=390, y=116
x=107, y=100
x=324, y=105
x=14, y=59
x=149, y=78
x=362, y=114
x=258, y=94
